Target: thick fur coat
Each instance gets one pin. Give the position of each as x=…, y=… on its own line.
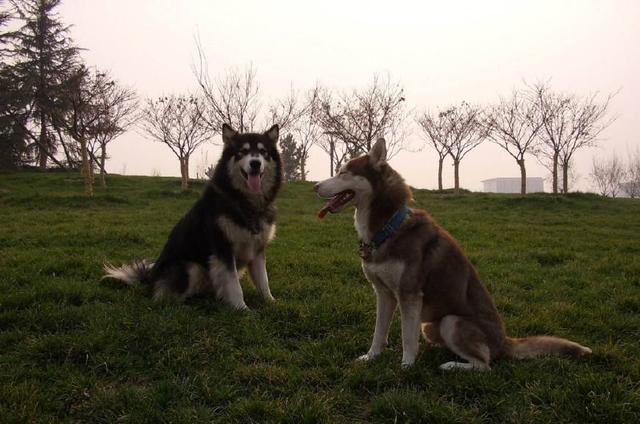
x=225, y=232
x=422, y=270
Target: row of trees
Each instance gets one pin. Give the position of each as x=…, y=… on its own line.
x=612, y=177
x=534, y=121
x=53, y=107
x=343, y=124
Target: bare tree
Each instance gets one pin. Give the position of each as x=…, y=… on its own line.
x=467, y=132
x=436, y=128
x=632, y=185
x=554, y=112
x=587, y=118
x=330, y=141
x=307, y=129
x=513, y=124
x=573, y=176
x=568, y=124
x=290, y=109
x=176, y=121
x=338, y=152
x=306, y=132
x=234, y=99
x=453, y=131
x=119, y=106
x=81, y=113
x=608, y=175
x=359, y=117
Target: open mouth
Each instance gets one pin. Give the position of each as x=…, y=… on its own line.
x=254, y=180
x=336, y=203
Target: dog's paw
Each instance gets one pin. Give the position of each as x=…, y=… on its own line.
x=405, y=365
x=465, y=366
x=366, y=357
x=242, y=307
x=408, y=360
x=451, y=365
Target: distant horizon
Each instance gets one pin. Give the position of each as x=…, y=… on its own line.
x=194, y=177
x=441, y=54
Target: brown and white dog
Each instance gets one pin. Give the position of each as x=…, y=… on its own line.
x=413, y=262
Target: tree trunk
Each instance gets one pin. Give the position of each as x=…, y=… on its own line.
x=565, y=176
x=67, y=154
x=92, y=171
x=332, y=148
x=42, y=147
x=456, y=178
x=523, y=177
x=86, y=168
x=103, y=158
x=303, y=171
x=440, y=162
x=555, y=172
x=184, y=172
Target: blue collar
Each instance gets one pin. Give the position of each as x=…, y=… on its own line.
x=391, y=225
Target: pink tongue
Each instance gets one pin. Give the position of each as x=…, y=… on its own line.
x=254, y=183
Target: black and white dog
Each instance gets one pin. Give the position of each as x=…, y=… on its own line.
x=226, y=230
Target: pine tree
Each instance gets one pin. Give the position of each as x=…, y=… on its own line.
x=5, y=17
x=43, y=56
x=12, y=138
x=291, y=154
x=13, y=119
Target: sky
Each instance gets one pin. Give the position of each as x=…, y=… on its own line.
x=442, y=52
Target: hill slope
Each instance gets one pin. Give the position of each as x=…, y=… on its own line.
x=72, y=348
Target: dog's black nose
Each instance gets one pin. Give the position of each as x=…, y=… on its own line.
x=255, y=165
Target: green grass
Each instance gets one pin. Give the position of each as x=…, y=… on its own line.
x=75, y=349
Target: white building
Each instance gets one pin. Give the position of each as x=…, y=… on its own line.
x=512, y=185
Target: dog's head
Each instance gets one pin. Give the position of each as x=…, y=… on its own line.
x=251, y=161
x=361, y=180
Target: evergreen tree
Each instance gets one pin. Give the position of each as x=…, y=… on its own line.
x=5, y=17
x=13, y=119
x=12, y=137
x=42, y=57
x=291, y=154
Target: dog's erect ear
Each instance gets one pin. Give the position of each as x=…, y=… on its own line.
x=273, y=133
x=378, y=153
x=228, y=134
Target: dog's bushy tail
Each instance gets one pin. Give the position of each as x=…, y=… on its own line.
x=535, y=346
x=138, y=271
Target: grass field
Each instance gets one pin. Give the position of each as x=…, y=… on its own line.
x=75, y=349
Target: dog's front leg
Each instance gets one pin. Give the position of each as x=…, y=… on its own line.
x=410, y=314
x=226, y=283
x=385, y=306
x=258, y=272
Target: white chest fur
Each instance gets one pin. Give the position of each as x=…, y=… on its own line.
x=244, y=243
x=388, y=273
x=361, y=221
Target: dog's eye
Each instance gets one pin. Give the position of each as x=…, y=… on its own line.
x=244, y=151
x=262, y=152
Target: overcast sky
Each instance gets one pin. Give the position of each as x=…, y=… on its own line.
x=442, y=52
